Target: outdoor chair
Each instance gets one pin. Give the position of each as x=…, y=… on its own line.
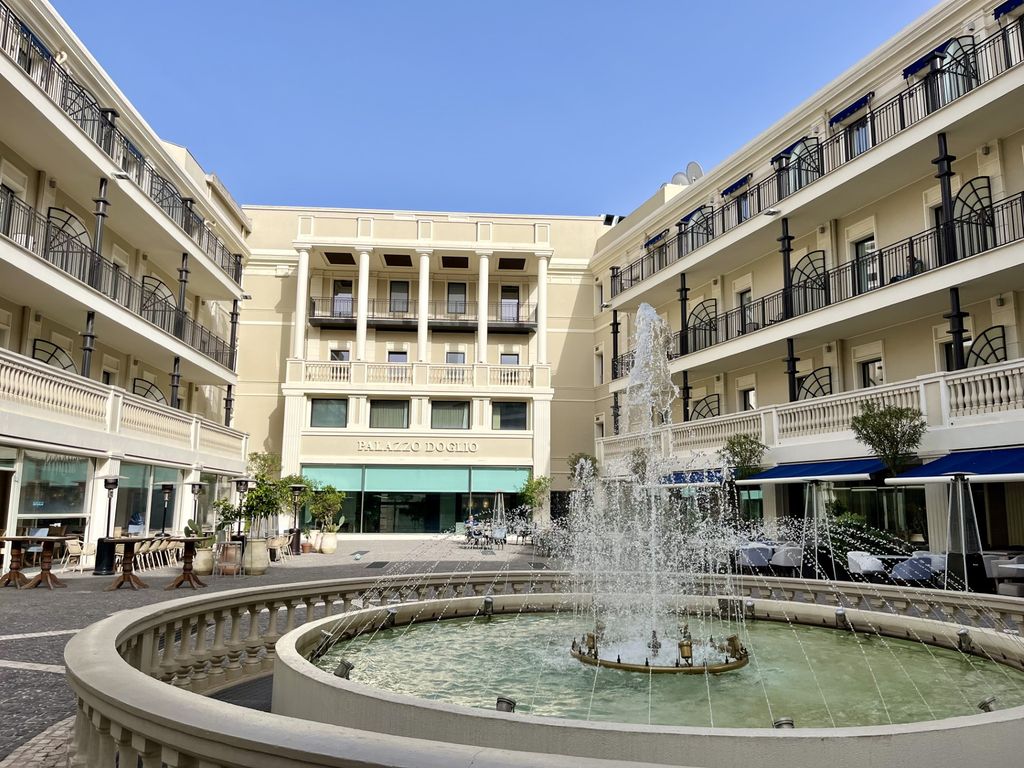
x=227, y=559
x=498, y=536
x=77, y=551
x=914, y=570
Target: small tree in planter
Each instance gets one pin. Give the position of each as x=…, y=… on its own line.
x=576, y=459
x=743, y=453
x=269, y=497
x=325, y=507
x=891, y=433
x=534, y=491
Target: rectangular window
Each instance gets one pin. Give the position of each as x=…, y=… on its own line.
x=872, y=373
x=329, y=412
x=399, y=299
x=867, y=269
x=598, y=369
x=456, y=299
x=858, y=137
x=455, y=358
x=947, y=352
x=742, y=208
x=509, y=303
x=389, y=414
x=748, y=399
x=509, y=358
x=398, y=356
x=340, y=355
x=506, y=415
x=599, y=297
x=446, y=414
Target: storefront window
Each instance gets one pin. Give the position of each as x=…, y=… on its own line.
x=132, y=498
x=53, y=491
x=214, y=487
x=161, y=516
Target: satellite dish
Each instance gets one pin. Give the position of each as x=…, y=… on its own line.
x=680, y=178
x=693, y=171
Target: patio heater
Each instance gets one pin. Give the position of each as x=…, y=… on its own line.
x=963, y=539
x=242, y=487
x=197, y=491
x=105, y=549
x=166, y=489
x=297, y=490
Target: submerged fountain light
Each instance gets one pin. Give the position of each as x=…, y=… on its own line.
x=783, y=722
x=389, y=620
x=963, y=641
x=748, y=605
x=841, y=620
x=488, y=606
x=988, y=704
x=505, y=704
x=343, y=669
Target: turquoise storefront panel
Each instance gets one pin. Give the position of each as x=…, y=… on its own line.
x=499, y=479
x=418, y=479
x=342, y=478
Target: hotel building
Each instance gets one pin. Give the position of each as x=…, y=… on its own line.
x=120, y=270
x=868, y=247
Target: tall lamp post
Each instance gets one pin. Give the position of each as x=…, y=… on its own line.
x=106, y=549
x=297, y=490
x=167, y=489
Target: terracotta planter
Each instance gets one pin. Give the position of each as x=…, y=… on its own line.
x=202, y=564
x=329, y=543
x=307, y=547
x=256, y=558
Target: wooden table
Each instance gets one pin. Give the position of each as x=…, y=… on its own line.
x=45, y=576
x=127, y=576
x=187, y=576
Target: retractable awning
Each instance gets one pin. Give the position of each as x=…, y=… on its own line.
x=925, y=60
x=694, y=477
x=994, y=465
x=858, y=105
x=830, y=471
x=741, y=182
x=1004, y=8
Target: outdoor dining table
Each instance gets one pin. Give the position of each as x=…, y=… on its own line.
x=187, y=576
x=45, y=576
x=127, y=576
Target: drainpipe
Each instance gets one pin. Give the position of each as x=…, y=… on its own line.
x=176, y=383
x=615, y=344
x=944, y=164
x=791, y=361
x=88, y=341
x=956, y=317
x=179, y=329
x=100, y=213
x=233, y=343
x=684, y=294
x=229, y=405
x=786, y=249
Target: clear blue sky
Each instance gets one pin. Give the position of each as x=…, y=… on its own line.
x=526, y=106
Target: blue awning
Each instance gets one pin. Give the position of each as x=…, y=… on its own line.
x=694, y=477
x=857, y=106
x=995, y=465
x=832, y=471
x=656, y=238
x=742, y=182
x=789, y=150
x=925, y=60
x=1004, y=8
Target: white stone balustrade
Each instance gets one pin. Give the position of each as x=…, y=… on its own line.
x=480, y=375
x=33, y=393
x=991, y=392
x=138, y=674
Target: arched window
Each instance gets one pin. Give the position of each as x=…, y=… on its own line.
x=959, y=71
x=68, y=244
x=972, y=214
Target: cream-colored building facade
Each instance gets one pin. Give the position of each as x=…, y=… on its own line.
x=867, y=247
x=120, y=269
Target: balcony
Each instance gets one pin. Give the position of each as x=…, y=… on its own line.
x=810, y=159
x=46, y=403
x=999, y=225
x=36, y=234
x=957, y=401
x=316, y=374
x=30, y=54
x=402, y=315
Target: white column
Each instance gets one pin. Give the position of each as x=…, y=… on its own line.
x=422, y=353
x=301, y=304
x=542, y=308
x=362, y=302
x=481, y=307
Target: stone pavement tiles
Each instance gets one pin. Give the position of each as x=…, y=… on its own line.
x=36, y=624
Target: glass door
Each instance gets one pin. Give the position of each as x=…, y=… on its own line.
x=509, y=304
x=342, y=303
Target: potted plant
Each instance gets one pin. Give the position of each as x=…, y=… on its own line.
x=202, y=563
x=266, y=499
x=324, y=508
x=307, y=543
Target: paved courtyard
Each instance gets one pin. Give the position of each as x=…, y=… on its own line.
x=36, y=624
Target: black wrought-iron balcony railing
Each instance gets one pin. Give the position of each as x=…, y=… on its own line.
x=25, y=227
x=24, y=48
x=399, y=308
x=998, y=225
x=818, y=158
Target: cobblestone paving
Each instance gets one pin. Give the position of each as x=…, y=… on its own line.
x=37, y=702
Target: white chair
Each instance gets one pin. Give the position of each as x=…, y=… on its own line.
x=75, y=550
x=864, y=564
x=498, y=535
x=789, y=557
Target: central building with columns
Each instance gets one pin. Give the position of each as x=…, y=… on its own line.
x=421, y=362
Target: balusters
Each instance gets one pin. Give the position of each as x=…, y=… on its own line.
x=218, y=651
x=235, y=646
x=200, y=654
x=183, y=657
x=167, y=664
x=253, y=645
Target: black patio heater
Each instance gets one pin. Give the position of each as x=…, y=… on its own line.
x=242, y=487
x=297, y=490
x=166, y=489
x=105, y=548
